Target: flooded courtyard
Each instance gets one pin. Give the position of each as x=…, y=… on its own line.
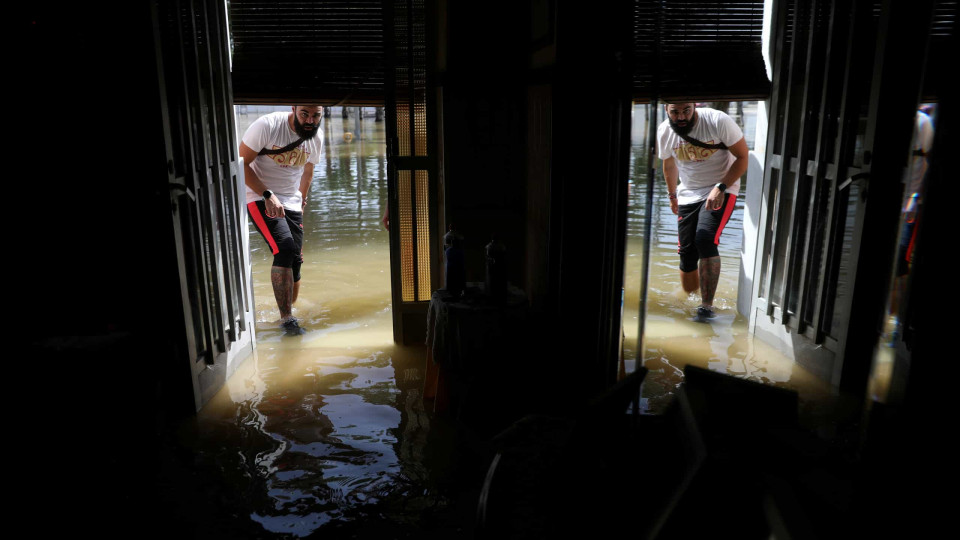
x=328, y=432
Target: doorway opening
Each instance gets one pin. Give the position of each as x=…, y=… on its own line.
x=671, y=337
x=332, y=424
x=345, y=285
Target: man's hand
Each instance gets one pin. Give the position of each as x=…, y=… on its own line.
x=715, y=199
x=674, y=206
x=737, y=169
x=273, y=208
x=386, y=219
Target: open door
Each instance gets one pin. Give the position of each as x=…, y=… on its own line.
x=841, y=115
x=412, y=167
x=208, y=222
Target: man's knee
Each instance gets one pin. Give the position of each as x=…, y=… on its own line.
x=705, y=242
x=286, y=258
x=297, y=262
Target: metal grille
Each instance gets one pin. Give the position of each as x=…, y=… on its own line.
x=698, y=50
x=409, y=46
x=419, y=45
x=403, y=128
x=423, y=235
x=420, y=123
x=407, y=271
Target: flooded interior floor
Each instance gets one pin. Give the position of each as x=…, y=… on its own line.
x=328, y=433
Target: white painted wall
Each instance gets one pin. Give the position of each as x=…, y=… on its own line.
x=754, y=192
x=751, y=229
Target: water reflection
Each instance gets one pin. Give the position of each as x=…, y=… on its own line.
x=672, y=340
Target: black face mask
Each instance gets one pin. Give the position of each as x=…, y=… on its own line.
x=305, y=133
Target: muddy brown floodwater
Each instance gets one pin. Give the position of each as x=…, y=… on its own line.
x=314, y=433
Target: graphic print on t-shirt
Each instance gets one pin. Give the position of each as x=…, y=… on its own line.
x=688, y=152
x=293, y=158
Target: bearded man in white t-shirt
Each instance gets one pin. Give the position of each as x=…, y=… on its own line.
x=279, y=151
x=704, y=155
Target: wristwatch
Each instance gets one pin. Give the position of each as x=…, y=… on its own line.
x=267, y=194
x=721, y=186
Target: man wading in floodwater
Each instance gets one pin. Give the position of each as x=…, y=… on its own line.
x=279, y=151
x=705, y=151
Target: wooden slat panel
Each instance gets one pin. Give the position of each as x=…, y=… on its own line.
x=328, y=52
x=678, y=46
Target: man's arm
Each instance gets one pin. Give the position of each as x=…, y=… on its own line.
x=736, y=170
x=672, y=175
x=272, y=205
x=305, y=180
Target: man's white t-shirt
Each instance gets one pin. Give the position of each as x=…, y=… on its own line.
x=701, y=168
x=922, y=142
x=280, y=172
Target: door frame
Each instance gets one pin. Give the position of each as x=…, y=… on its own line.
x=814, y=138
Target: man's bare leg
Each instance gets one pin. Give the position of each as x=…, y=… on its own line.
x=283, y=290
x=709, y=277
x=690, y=281
x=296, y=293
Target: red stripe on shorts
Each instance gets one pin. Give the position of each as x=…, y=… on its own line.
x=726, y=217
x=913, y=238
x=262, y=225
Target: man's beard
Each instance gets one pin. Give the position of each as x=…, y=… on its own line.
x=305, y=133
x=686, y=127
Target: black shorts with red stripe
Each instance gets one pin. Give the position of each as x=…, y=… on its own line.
x=284, y=235
x=699, y=230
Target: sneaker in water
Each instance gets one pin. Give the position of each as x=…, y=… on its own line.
x=292, y=328
x=704, y=314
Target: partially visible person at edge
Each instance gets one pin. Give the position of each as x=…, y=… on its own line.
x=702, y=184
x=277, y=187
x=922, y=143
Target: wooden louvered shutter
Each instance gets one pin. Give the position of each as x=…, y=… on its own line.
x=698, y=50
x=295, y=52
x=941, y=50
